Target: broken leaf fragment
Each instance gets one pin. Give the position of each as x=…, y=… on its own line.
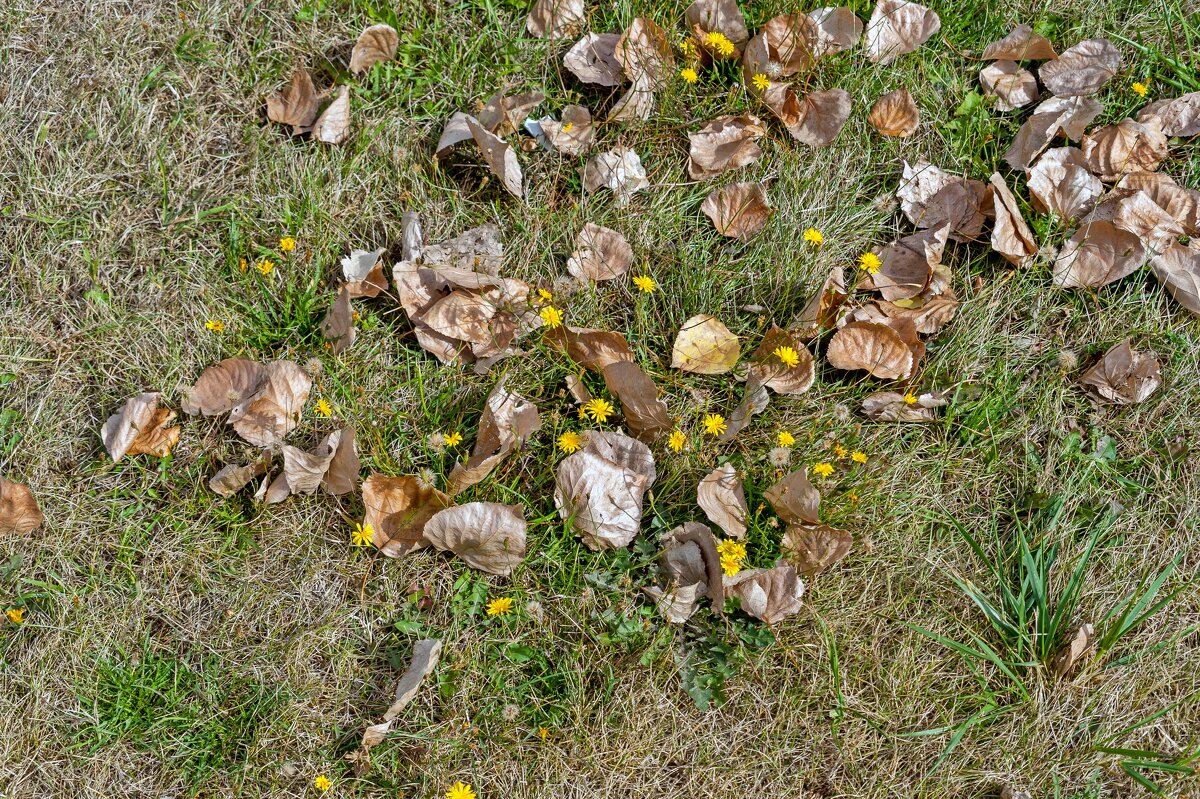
x=1082, y=69
x=897, y=27
x=768, y=594
x=489, y=536
x=721, y=497
x=600, y=489
x=363, y=271
x=397, y=509
x=140, y=427
x=499, y=156
x=1124, y=376
x=705, y=346
x=723, y=144
x=426, y=654
x=504, y=114
x=19, y=512
x=295, y=104
x=739, y=210
x=895, y=114
x=1023, y=44
x=601, y=253
x=1067, y=658
x=375, y=44
x=338, y=325
x=1011, y=235
x=332, y=466
x=907, y=265
x=233, y=478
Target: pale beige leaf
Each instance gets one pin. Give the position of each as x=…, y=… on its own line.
x=723, y=144
x=1181, y=204
x=333, y=126
x=1023, y=44
x=739, y=210
x=601, y=253
x=398, y=508
x=705, y=346
x=593, y=59
x=877, y=348
x=721, y=497
x=1136, y=212
x=678, y=603
x=1082, y=69
x=1178, y=117
x=140, y=427
x=928, y=316
x=233, y=478
x=812, y=549
x=507, y=422
x=487, y=535
x=768, y=594
x=891, y=406
x=223, y=386
x=363, y=271
x=619, y=171
x=1129, y=146
x=1068, y=656
x=600, y=489
x=791, y=41
x=825, y=307
x=1124, y=376
x=1178, y=268
x=555, y=18
x=1054, y=115
x=574, y=134
x=1011, y=85
x=456, y=131
x=274, y=410
x=690, y=559
x=19, y=512
x=636, y=104
x=426, y=654
x=376, y=44
x=897, y=27
x=895, y=114
x=794, y=499
x=1061, y=183
x=838, y=29
x=295, y=104
x=1098, y=254
x=1011, y=235
x=500, y=158
x=644, y=52
x=818, y=117
x=718, y=16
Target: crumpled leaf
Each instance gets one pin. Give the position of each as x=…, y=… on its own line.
x=375, y=44
x=723, y=144
x=555, y=18
x=593, y=60
x=768, y=594
x=791, y=41
x=776, y=375
x=592, y=349
x=140, y=427
x=500, y=158
x=487, y=535
x=1054, y=115
x=718, y=16
x=644, y=52
x=263, y=401
x=890, y=406
x=398, y=508
x=456, y=131
x=932, y=198
x=897, y=27
x=820, y=117
x=705, y=346
x=338, y=324
x=1023, y=44
x=878, y=348
x=677, y=603
x=295, y=104
x=1178, y=269
x=739, y=210
x=1082, y=69
x=601, y=253
x=812, y=549
x=1011, y=85
x=907, y=264
x=927, y=314
x=1011, y=235
x=504, y=115
x=233, y=478
x=794, y=499
x=645, y=414
x=426, y=654
x=1177, y=117
x=754, y=401
x=1060, y=182
x=824, y=309
x=619, y=170
x=507, y=422
x=222, y=386
x=1096, y=255
x=332, y=466
x=1129, y=146
x=574, y=134
x=690, y=561
x=895, y=114
x=363, y=271
x=1181, y=204
x=1069, y=655
x=333, y=126
x=1124, y=376
x=838, y=29
x=600, y=488
x=1136, y=212
x=19, y=512
x=722, y=499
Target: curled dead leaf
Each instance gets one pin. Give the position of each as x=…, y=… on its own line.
x=907, y=264
x=812, y=549
x=644, y=53
x=333, y=125
x=338, y=324
x=1023, y=44
x=705, y=346
x=1068, y=656
x=593, y=59
x=794, y=499
x=1011, y=235
x=592, y=349
x=1054, y=115
x=721, y=497
x=600, y=254
x=897, y=27
x=739, y=210
x=397, y=509
x=1011, y=85
x=838, y=29
x=19, y=511
x=426, y=654
x=333, y=466
x=690, y=560
x=555, y=18
x=222, y=386
x=1178, y=269
x=507, y=422
x=619, y=171
x=504, y=115
x=363, y=271
x=274, y=410
x=791, y=41
x=876, y=348
x=1097, y=254
x=932, y=198
x=677, y=603
x=1124, y=376
x=487, y=535
x=1129, y=146
x=768, y=594
x=500, y=158
x=1181, y=204
x=574, y=134
x=233, y=478
x=723, y=144
x=1082, y=69
x=140, y=427
x=376, y=44
x=718, y=16
x=895, y=114
x=600, y=489
x=772, y=363
x=1177, y=117
x=1060, y=182
x=819, y=117
x=645, y=414
x=892, y=406
x=824, y=309
x=295, y=104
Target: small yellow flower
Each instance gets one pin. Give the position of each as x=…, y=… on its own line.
x=676, y=441
x=839, y=450
x=243, y=264
x=786, y=439
x=324, y=409
x=910, y=398
x=644, y=283
x=362, y=534
x=323, y=783
x=545, y=295
x=598, y=409
x=729, y=548
x=761, y=82
x=858, y=457
x=714, y=424
x=265, y=266
x=287, y=244
x=823, y=469
x=788, y=356
x=453, y=439
x=689, y=75
x=551, y=316
x=215, y=325
x=569, y=442
x=500, y=607
x=460, y=791
x=814, y=237
x=16, y=615
x=1140, y=89
x=720, y=42
x=730, y=566
x=852, y=497
x=543, y=732
x=687, y=47
x=567, y=128
x=870, y=262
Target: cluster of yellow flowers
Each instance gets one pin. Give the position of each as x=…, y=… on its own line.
x=733, y=555
x=720, y=44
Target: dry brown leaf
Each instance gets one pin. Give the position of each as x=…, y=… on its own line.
x=600, y=488
x=426, y=654
x=838, y=29
x=1060, y=183
x=398, y=508
x=897, y=27
x=932, y=198
x=1178, y=269
x=333, y=126
x=1069, y=655
x=1124, y=376
x=574, y=134
x=1129, y=146
x=555, y=18
x=645, y=414
x=824, y=309
x=592, y=349
x=1082, y=69
x=223, y=386
x=892, y=406
x=928, y=316
x=500, y=158
x=19, y=512
x=375, y=44
x=507, y=422
x=812, y=549
x=705, y=346
x=601, y=253
x=907, y=265
x=338, y=324
x=1054, y=115
x=895, y=114
x=794, y=499
x=233, y=478
x=770, y=369
x=1137, y=212
x=274, y=410
x=791, y=42
x=636, y=104
x=690, y=556
x=363, y=271
x=1011, y=235
x=140, y=427
x=718, y=16
x=820, y=117
x=619, y=171
x=723, y=144
x=754, y=401
x=593, y=59
x=723, y=501
x=1178, y=117
x=505, y=115
x=739, y=210
x=644, y=53
x=1011, y=85
x=487, y=535
x=1098, y=254
x=768, y=594
x=877, y=348
x=295, y=104
x=333, y=466
x=1023, y=44
x=456, y=131
x=678, y=603
x=1181, y=204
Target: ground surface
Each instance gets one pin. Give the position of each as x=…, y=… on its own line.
x=177, y=644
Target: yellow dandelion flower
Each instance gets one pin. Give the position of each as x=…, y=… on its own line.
x=265, y=266
x=788, y=356
x=823, y=469
x=858, y=457
x=243, y=264
x=644, y=283
x=215, y=325
x=543, y=732
x=852, y=497
x=460, y=790
x=676, y=441
x=761, y=82
x=551, y=316
x=569, y=442
x=730, y=566
x=870, y=262
x=1140, y=89
x=720, y=42
x=16, y=615
x=500, y=607
x=583, y=417
x=545, y=295
x=362, y=534
x=287, y=244
x=910, y=398
x=453, y=439
x=687, y=47
x=839, y=450
x=322, y=783
x=598, y=409
x=729, y=548
x=324, y=409
x=714, y=424
x=814, y=237
x=567, y=128
x=689, y=75
x=786, y=439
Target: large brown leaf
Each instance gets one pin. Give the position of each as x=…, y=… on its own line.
x=1181, y=204
x=487, y=535
x=1178, y=117
x=895, y=114
x=897, y=27
x=1023, y=44
x=600, y=489
x=19, y=512
x=645, y=414
x=838, y=29
x=1124, y=376
x=333, y=125
x=768, y=594
x=794, y=499
x=718, y=16
x=932, y=198
x=398, y=508
x=1061, y=183
x=722, y=499
x=555, y=18
x=1011, y=235
x=333, y=466
x=739, y=210
x=593, y=59
x=601, y=253
x=338, y=325
x=723, y=144
x=592, y=349
x=1129, y=146
x=508, y=421
x=705, y=346
x=1054, y=115
x=1098, y=254
x=1082, y=69
x=812, y=549
x=877, y=348
x=500, y=158
x=274, y=410
x=1011, y=85
x=223, y=386
x=375, y=44
x=140, y=427
x=296, y=104
x=819, y=117
x=791, y=43
x=1178, y=268
x=907, y=264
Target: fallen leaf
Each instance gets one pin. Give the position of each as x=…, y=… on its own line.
x=273, y=411
x=644, y=53
x=574, y=134
x=618, y=170
x=907, y=264
x=1061, y=183
x=897, y=27
x=820, y=117
x=812, y=549
x=507, y=422
x=1096, y=255
x=504, y=115
x=500, y=158
x=1124, y=376
x=1178, y=269
x=398, y=508
x=333, y=126
x=636, y=104
x=593, y=59
x=338, y=324
x=426, y=654
x=794, y=499
x=823, y=310
x=456, y=131
x=838, y=29
x=690, y=560
x=19, y=512
x=555, y=18
x=600, y=488
x=791, y=41
x=738, y=210
x=876, y=348
x=1177, y=117
x=723, y=501
x=777, y=375
x=233, y=478
x=1011, y=235
x=375, y=44
x=222, y=386
x=645, y=414
x=768, y=594
x=1023, y=44
x=1181, y=204
x=295, y=104
x=678, y=603
x=600, y=254
x=891, y=406
x=305, y=472
x=363, y=271
x=140, y=427
x=1011, y=85
x=932, y=198
x=705, y=346
x=1054, y=115
x=487, y=535
x=718, y=16
x=895, y=114
x=1069, y=655
x=1082, y=69
x=754, y=401
x=592, y=349
x=1137, y=213
x=723, y=144
x=1129, y=146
